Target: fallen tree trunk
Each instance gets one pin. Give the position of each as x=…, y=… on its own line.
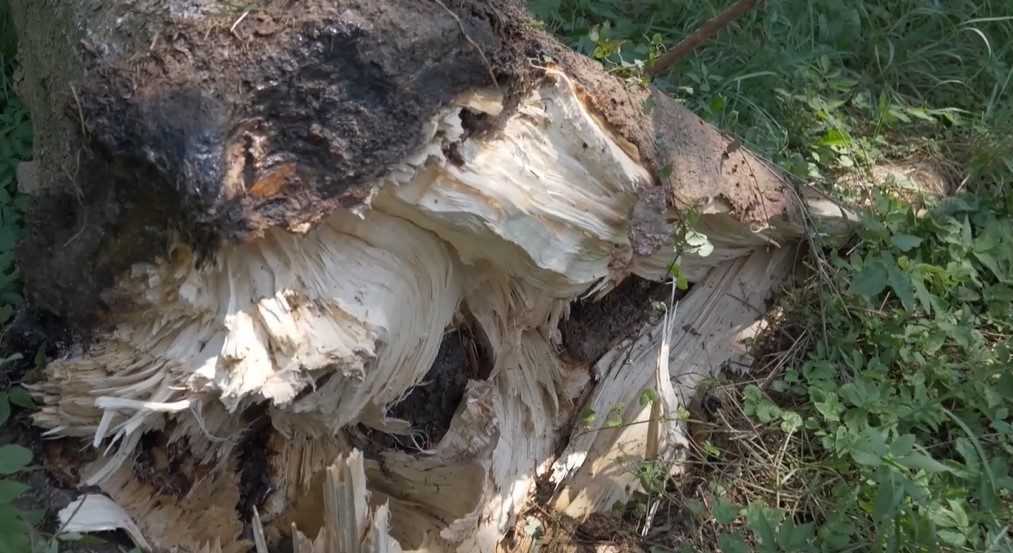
x=292, y=234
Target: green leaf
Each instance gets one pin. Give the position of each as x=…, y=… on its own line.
x=923, y=294
x=699, y=244
x=731, y=543
x=955, y=538
x=923, y=461
x=869, y=447
x=906, y=242
x=1005, y=386
x=889, y=494
x=756, y=519
x=20, y=397
x=5, y=408
x=681, y=282
x=13, y=531
x=902, y=446
x=831, y=407
x=790, y=421
x=767, y=411
x=795, y=538
x=14, y=458
x=834, y=137
x=614, y=419
x=648, y=397
x=870, y=281
x=725, y=512
x=10, y=489
x=959, y=514
x=900, y=282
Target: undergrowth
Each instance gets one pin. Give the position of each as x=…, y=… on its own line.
x=881, y=421
x=879, y=417
x=820, y=85
x=16, y=534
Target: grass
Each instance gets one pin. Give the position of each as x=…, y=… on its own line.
x=879, y=417
x=817, y=85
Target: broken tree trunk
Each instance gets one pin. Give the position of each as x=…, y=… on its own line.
x=294, y=234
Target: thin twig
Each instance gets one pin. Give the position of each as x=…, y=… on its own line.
x=488, y=66
x=706, y=31
x=232, y=29
x=80, y=111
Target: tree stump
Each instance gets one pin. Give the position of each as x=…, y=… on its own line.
x=296, y=234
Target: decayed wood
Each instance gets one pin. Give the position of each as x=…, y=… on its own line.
x=711, y=329
x=348, y=524
x=280, y=214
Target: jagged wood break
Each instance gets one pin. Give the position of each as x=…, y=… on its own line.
x=303, y=233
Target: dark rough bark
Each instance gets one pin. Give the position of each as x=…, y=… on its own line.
x=190, y=118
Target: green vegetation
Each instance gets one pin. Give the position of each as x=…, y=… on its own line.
x=15, y=146
x=819, y=85
x=894, y=430
x=881, y=418
x=879, y=415
x=15, y=525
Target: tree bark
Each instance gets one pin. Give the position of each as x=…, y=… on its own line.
x=303, y=233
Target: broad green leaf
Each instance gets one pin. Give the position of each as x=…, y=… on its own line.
x=923, y=461
x=966, y=450
x=889, y=493
x=1005, y=386
x=870, y=281
x=757, y=521
x=906, y=242
x=724, y=512
x=14, y=458
x=834, y=137
x=10, y=489
x=730, y=543
x=13, y=531
x=767, y=411
x=795, y=538
x=869, y=447
x=20, y=397
x=902, y=446
x=955, y=538
x=790, y=421
x=958, y=513
x=922, y=293
x=831, y=407
x=900, y=282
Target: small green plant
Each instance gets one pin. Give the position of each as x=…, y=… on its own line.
x=904, y=406
x=15, y=528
